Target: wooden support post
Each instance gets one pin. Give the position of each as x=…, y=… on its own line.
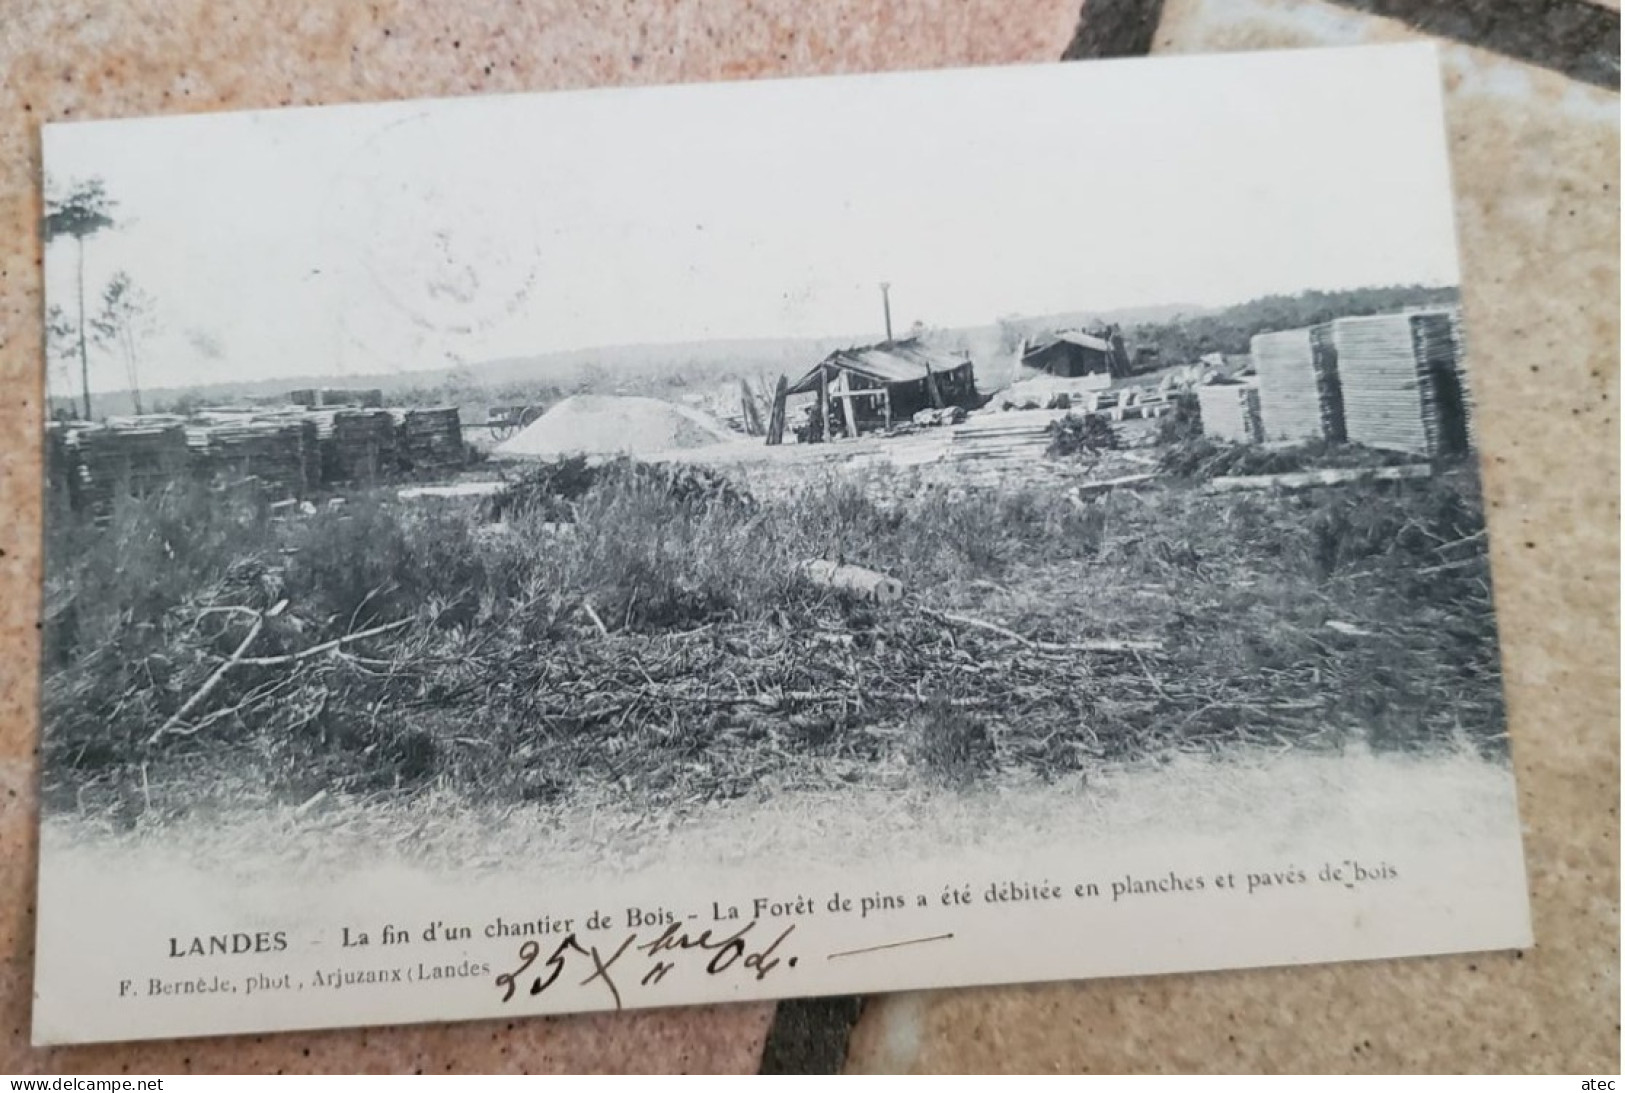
x=840, y=392
x=775, y=422
x=849, y=403
x=751, y=417
x=823, y=404
x=931, y=387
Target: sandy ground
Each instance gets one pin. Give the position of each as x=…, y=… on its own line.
x=1254, y=798
x=603, y=424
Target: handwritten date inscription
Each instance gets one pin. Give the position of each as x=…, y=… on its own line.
x=647, y=962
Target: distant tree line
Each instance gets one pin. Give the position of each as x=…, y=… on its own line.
x=1183, y=338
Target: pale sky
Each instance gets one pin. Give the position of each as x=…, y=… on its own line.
x=364, y=239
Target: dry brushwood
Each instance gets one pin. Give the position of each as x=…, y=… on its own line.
x=1099, y=645
x=239, y=658
x=203, y=692
x=324, y=647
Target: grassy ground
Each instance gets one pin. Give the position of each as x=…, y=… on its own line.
x=1266, y=803
x=646, y=636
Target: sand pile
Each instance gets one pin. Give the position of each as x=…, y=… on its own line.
x=610, y=424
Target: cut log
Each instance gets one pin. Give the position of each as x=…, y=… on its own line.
x=1106, y=485
x=852, y=578
x=1303, y=480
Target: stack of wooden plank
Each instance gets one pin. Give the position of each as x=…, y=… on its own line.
x=1297, y=386
x=1458, y=334
x=1230, y=412
x=362, y=447
x=431, y=438
x=1328, y=381
x=133, y=459
x=1017, y=435
x=282, y=454
x=310, y=451
x=315, y=397
x=1401, y=384
x=1446, y=409
x=61, y=466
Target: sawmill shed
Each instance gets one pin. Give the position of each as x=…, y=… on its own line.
x=870, y=387
x=1073, y=353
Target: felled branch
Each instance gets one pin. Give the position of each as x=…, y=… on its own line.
x=239, y=657
x=324, y=647
x=1302, y=480
x=592, y=613
x=211, y=683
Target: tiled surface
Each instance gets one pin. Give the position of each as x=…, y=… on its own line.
x=83, y=59
x=1536, y=162
x=1540, y=236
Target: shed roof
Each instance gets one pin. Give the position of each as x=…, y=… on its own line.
x=1074, y=337
x=905, y=361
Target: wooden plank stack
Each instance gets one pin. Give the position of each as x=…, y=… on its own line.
x=1013, y=436
x=1446, y=403
x=1401, y=386
x=281, y=454
x=1230, y=412
x=1295, y=385
x=1329, y=383
x=128, y=459
x=1458, y=334
x=430, y=439
x=1382, y=397
x=61, y=467
x=363, y=447
x=312, y=398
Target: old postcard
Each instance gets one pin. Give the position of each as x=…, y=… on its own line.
x=629, y=548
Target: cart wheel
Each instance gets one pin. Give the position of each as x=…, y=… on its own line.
x=530, y=414
x=502, y=432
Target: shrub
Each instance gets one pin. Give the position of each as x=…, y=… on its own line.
x=1185, y=423
x=1077, y=434
x=553, y=488
x=951, y=747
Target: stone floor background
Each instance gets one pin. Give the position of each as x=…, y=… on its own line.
x=1537, y=169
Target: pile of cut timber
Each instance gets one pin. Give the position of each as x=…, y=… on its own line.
x=431, y=439
x=1447, y=405
x=1230, y=412
x=1401, y=385
x=1014, y=435
x=363, y=447
x=1458, y=336
x=134, y=459
x=1297, y=387
x=311, y=398
x=283, y=454
x=60, y=463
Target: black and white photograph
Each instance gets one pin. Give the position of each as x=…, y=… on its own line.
x=606, y=549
